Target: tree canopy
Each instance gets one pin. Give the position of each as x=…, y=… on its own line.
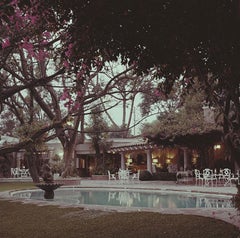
x=176, y=35
x=172, y=39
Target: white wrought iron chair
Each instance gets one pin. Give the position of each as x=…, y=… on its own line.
x=24, y=173
x=209, y=177
x=111, y=176
x=136, y=176
x=226, y=176
x=198, y=177
x=15, y=172
x=123, y=175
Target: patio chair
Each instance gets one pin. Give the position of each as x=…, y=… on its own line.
x=111, y=176
x=226, y=176
x=209, y=177
x=123, y=175
x=136, y=176
x=24, y=173
x=15, y=172
x=198, y=177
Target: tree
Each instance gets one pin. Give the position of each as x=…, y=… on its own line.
x=186, y=118
x=190, y=38
x=97, y=131
x=186, y=126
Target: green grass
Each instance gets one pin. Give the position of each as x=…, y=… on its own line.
x=16, y=185
x=32, y=221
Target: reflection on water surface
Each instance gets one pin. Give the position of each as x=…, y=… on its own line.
x=131, y=198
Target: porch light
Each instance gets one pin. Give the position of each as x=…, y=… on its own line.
x=168, y=161
x=194, y=160
x=217, y=147
x=129, y=161
x=155, y=161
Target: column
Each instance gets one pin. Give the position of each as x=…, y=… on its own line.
x=149, y=160
x=122, y=160
x=185, y=161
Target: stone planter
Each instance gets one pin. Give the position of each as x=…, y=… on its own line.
x=99, y=177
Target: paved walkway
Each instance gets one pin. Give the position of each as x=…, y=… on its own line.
x=226, y=214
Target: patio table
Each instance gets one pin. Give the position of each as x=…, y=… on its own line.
x=183, y=176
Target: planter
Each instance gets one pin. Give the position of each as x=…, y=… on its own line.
x=99, y=177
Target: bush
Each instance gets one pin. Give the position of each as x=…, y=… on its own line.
x=164, y=176
x=145, y=175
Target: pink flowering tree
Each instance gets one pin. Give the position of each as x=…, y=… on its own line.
x=29, y=47
x=38, y=65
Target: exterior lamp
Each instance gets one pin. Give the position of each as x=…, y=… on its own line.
x=217, y=147
x=168, y=161
x=155, y=161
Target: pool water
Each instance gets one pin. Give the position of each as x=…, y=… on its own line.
x=131, y=198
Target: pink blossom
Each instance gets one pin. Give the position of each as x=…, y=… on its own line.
x=41, y=55
x=157, y=93
x=134, y=63
x=68, y=53
x=76, y=106
x=29, y=47
x=44, y=42
x=66, y=64
x=47, y=34
x=6, y=43
x=33, y=19
x=80, y=75
x=65, y=95
x=14, y=2
x=84, y=66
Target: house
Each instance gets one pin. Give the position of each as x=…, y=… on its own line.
x=86, y=159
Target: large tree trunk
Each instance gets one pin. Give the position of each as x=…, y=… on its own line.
x=69, y=152
x=31, y=160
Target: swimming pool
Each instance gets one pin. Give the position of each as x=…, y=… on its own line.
x=130, y=198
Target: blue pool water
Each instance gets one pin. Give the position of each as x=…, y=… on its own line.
x=131, y=198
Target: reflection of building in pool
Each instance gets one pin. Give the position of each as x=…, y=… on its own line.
x=124, y=198
x=213, y=202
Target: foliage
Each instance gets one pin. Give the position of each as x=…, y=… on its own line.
x=26, y=131
x=188, y=119
x=145, y=175
x=56, y=164
x=165, y=176
x=97, y=131
x=236, y=198
x=168, y=38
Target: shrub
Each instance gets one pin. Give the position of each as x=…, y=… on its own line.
x=145, y=175
x=165, y=176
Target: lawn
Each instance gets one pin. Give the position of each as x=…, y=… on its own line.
x=32, y=221
x=16, y=185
